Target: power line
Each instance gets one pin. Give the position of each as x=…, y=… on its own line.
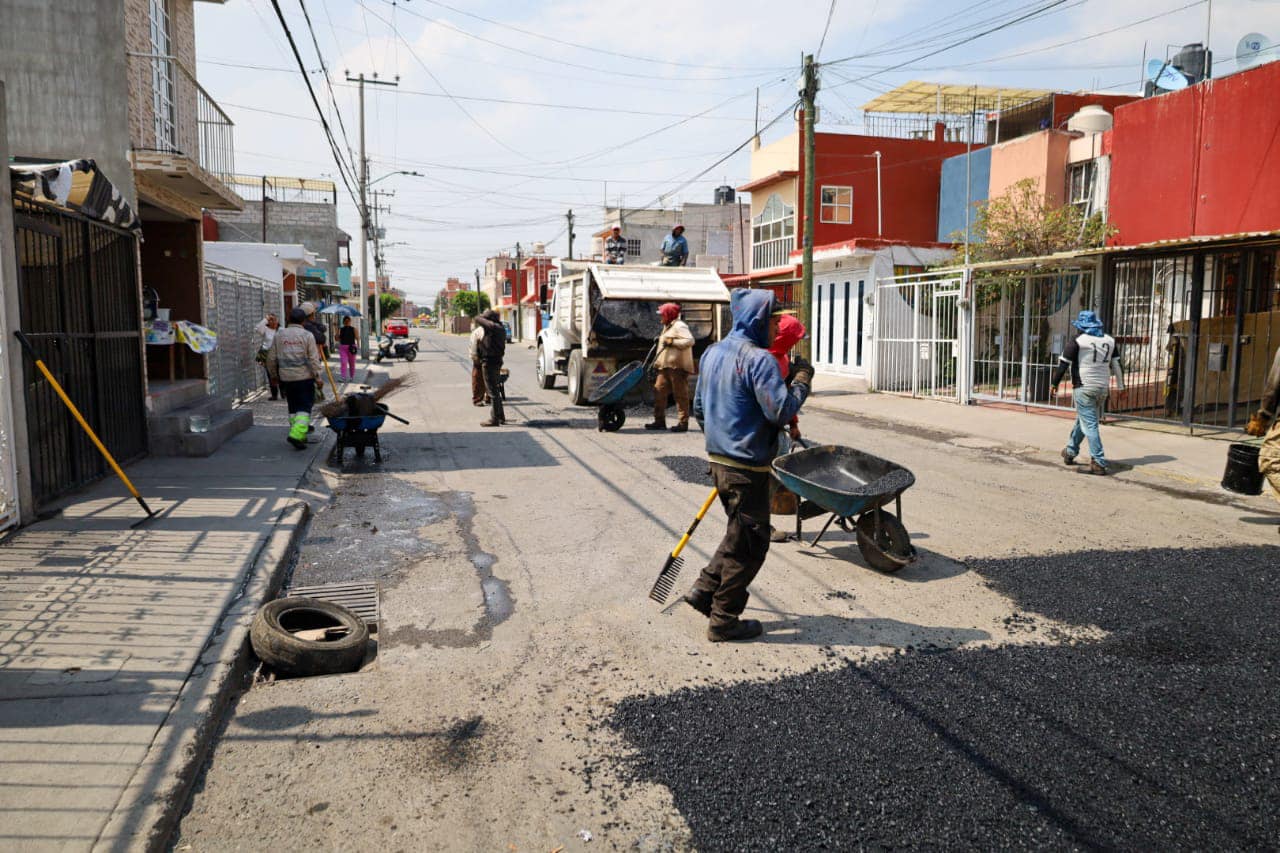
x=831, y=11
x=333, y=99
x=333, y=145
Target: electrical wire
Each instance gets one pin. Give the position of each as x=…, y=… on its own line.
x=333, y=99
x=830, y=12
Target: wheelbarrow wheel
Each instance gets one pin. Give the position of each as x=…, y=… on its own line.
x=887, y=549
x=611, y=418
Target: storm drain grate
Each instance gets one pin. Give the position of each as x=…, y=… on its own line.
x=360, y=598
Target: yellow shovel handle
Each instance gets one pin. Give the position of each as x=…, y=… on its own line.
x=325, y=360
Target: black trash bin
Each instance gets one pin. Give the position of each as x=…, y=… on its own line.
x=1242, y=475
x=1038, y=376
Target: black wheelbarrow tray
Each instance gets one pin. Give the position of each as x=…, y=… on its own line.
x=852, y=486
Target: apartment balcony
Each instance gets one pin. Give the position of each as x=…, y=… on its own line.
x=182, y=143
x=772, y=253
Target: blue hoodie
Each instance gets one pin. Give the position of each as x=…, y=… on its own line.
x=742, y=400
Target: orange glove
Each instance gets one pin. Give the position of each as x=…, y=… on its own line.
x=1257, y=425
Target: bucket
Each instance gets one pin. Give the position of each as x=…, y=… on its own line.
x=1242, y=475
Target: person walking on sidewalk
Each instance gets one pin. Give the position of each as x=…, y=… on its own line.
x=742, y=403
x=478, y=396
x=347, y=349
x=264, y=335
x=1269, y=453
x=492, y=349
x=674, y=363
x=294, y=359
x=1093, y=359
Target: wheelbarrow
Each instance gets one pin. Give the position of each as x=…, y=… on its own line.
x=614, y=390
x=359, y=432
x=853, y=487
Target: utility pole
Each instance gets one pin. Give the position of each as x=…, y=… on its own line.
x=264, y=208
x=477, y=279
x=515, y=295
x=363, y=177
x=809, y=96
x=570, y=218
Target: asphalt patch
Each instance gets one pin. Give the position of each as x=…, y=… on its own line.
x=689, y=469
x=1163, y=735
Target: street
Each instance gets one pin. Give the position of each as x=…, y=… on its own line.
x=1072, y=663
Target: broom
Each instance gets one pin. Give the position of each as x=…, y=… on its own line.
x=338, y=408
x=671, y=568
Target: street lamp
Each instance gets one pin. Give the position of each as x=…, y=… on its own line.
x=393, y=174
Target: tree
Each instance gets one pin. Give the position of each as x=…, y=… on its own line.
x=390, y=305
x=469, y=303
x=1023, y=223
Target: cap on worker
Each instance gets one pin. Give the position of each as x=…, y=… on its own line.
x=308, y=308
x=785, y=312
x=676, y=228
x=1088, y=322
x=669, y=311
x=297, y=315
x=617, y=228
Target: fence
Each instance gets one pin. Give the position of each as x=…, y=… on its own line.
x=236, y=303
x=172, y=113
x=920, y=345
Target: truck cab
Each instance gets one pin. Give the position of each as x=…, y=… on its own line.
x=604, y=316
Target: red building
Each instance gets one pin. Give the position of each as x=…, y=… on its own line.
x=1199, y=162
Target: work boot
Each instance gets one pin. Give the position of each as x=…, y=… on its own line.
x=683, y=426
x=1068, y=457
x=655, y=425
x=699, y=600
x=1095, y=469
x=479, y=403
x=776, y=535
x=491, y=423
x=741, y=629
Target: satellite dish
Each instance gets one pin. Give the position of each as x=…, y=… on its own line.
x=1165, y=76
x=1252, y=50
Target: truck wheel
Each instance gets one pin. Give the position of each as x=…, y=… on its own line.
x=577, y=389
x=546, y=379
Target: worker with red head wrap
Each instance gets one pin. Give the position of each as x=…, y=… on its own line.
x=674, y=363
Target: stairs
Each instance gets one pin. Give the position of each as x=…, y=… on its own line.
x=171, y=406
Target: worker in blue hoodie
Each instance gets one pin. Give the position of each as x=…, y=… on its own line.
x=742, y=403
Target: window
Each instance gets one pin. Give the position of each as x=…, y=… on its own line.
x=773, y=234
x=633, y=248
x=837, y=205
x=1081, y=180
x=162, y=83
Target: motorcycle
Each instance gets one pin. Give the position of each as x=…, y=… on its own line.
x=392, y=348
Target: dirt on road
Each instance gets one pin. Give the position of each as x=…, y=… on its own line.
x=1020, y=684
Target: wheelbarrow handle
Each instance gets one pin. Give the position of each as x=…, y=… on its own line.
x=386, y=412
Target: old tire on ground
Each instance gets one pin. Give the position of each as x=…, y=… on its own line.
x=274, y=642
x=611, y=418
x=891, y=549
x=546, y=379
x=577, y=387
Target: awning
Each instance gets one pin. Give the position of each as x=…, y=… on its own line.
x=661, y=284
x=918, y=97
x=75, y=185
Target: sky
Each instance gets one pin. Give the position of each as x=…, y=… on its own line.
x=516, y=112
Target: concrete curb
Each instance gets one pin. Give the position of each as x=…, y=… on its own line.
x=148, y=811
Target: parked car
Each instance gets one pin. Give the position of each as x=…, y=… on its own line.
x=398, y=327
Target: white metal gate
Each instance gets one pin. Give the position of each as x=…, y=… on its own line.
x=236, y=303
x=919, y=336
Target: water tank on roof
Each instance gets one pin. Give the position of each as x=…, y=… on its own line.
x=1091, y=119
x=1194, y=61
x=539, y=248
x=724, y=194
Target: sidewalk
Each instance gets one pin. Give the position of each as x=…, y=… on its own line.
x=1139, y=452
x=119, y=648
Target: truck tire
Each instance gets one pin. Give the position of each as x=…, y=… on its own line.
x=577, y=383
x=274, y=641
x=546, y=379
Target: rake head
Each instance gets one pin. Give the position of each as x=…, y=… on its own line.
x=666, y=579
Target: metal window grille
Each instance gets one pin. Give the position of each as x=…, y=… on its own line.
x=633, y=248
x=235, y=304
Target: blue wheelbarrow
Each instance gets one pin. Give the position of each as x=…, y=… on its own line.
x=853, y=487
x=359, y=432
x=614, y=390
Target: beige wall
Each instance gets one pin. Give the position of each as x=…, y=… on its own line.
x=780, y=156
x=784, y=187
x=1042, y=156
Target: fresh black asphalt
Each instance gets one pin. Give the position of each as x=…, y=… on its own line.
x=1164, y=735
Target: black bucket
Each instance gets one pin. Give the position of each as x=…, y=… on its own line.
x=1242, y=475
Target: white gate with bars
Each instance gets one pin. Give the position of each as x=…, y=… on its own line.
x=921, y=341
x=236, y=302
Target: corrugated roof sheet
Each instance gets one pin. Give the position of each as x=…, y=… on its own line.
x=921, y=97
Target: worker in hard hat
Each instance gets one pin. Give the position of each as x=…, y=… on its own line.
x=674, y=363
x=675, y=248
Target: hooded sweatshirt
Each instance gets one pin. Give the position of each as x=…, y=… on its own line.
x=294, y=355
x=741, y=399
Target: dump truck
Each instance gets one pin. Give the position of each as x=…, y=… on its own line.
x=604, y=316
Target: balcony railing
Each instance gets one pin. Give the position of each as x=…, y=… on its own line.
x=772, y=253
x=171, y=112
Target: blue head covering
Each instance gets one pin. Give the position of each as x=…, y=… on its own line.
x=1088, y=322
